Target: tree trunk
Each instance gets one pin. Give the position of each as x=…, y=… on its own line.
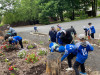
x=61, y=16
x=73, y=15
x=53, y=65
x=94, y=8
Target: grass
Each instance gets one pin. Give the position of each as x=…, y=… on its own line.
x=1, y=25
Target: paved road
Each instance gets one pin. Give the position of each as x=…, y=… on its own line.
x=77, y=24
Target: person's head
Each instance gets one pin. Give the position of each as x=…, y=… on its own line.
x=89, y=24
x=81, y=37
x=72, y=27
x=52, y=28
x=10, y=38
x=8, y=26
x=58, y=28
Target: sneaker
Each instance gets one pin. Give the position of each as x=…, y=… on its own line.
x=83, y=73
x=69, y=69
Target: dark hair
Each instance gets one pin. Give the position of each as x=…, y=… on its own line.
x=89, y=23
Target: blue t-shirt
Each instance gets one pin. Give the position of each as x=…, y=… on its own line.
x=82, y=52
x=69, y=48
x=92, y=29
x=16, y=39
x=58, y=38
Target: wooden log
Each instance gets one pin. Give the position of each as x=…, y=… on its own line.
x=53, y=65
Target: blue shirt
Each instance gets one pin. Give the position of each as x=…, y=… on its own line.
x=16, y=39
x=69, y=48
x=58, y=38
x=35, y=28
x=92, y=29
x=82, y=53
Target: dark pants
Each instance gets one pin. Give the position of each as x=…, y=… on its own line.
x=85, y=33
x=92, y=35
x=69, y=58
x=21, y=44
x=76, y=65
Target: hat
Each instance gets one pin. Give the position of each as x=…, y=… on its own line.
x=59, y=26
x=81, y=36
x=10, y=38
x=52, y=26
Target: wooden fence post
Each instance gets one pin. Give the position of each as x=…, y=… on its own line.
x=53, y=65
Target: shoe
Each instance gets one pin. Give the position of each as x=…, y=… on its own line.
x=83, y=73
x=69, y=69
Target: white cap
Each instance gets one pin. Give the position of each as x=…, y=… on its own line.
x=10, y=38
x=8, y=26
x=84, y=27
x=81, y=36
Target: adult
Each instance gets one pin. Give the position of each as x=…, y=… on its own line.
x=92, y=30
x=66, y=35
x=52, y=34
x=16, y=40
x=11, y=31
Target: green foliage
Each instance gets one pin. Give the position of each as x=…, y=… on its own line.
x=42, y=52
x=31, y=58
x=98, y=41
x=41, y=10
x=83, y=15
x=21, y=54
x=25, y=42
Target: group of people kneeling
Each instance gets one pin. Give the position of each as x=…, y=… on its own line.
x=65, y=45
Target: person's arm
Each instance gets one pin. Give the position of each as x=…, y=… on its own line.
x=65, y=55
x=91, y=47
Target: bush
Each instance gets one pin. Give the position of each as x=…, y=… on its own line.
x=42, y=52
x=31, y=46
x=43, y=19
x=9, y=47
x=25, y=42
x=1, y=53
x=31, y=58
x=21, y=54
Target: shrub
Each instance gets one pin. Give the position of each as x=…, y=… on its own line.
x=25, y=42
x=31, y=46
x=43, y=19
x=31, y=58
x=98, y=41
x=21, y=54
x=1, y=53
x=42, y=52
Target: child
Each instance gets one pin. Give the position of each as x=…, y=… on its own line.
x=92, y=30
x=82, y=47
x=35, y=29
x=58, y=39
x=15, y=40
x=69, y=51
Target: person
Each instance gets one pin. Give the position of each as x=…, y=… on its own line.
x=52, y=34
x=11, y=31
x=92, y=30
x=86, y=30
x=35, y=29
x=67, y=50
x=66, y=36
x=15, y=40
x=58, y=39
x=83, y=47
